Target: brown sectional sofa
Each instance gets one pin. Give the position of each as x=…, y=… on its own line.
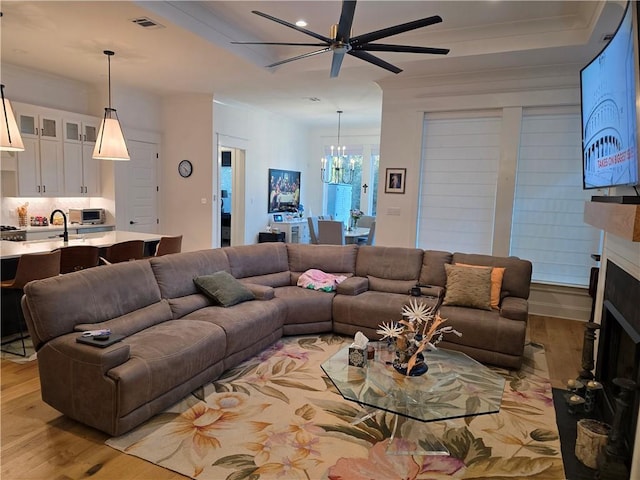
x=176, y=339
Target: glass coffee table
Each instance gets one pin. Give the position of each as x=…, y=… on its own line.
x=455, y=386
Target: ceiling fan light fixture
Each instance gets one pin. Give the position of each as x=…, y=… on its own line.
x=110, y=144
x=10, y=138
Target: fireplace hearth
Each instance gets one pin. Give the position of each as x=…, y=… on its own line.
x=619, y=347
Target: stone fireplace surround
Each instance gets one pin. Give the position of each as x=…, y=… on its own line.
x=619, y=343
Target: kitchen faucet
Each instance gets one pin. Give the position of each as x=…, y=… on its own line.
x=65, y=235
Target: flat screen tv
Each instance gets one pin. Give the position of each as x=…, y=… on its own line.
x=610, y=92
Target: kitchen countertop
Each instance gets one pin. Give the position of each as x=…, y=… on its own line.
x=60, y=228
x=98, y=239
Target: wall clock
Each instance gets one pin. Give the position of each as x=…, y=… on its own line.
x=185, y=168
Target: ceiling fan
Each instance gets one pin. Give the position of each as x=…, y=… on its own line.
x=342, y=43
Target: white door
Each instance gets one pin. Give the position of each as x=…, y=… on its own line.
x=142, y=195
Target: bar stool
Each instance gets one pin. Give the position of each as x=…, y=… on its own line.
x=78, y=257
x=168, y=245
x=31, y=266
x=123, y=252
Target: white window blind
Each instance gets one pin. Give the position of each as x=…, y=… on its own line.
x=548, y=227
x=458, y=183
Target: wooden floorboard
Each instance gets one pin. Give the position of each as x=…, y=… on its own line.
x=38, y=443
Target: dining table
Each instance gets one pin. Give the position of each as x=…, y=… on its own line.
x=355, y=234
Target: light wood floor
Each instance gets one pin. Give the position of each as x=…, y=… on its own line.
x=37, y=442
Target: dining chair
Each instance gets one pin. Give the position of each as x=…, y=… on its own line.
x=31, y=266
x=372, y=233
x=168, y=245
x=123, y=252
x=313, y=229
x=325, y=217
x=365, y=221
x=330, y=232
x=78, y=257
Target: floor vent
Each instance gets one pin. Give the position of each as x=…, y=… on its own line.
x=147, y=22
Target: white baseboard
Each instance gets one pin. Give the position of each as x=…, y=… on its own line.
x=560, y=301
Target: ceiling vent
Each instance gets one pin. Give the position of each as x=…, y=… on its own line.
x=147, y=22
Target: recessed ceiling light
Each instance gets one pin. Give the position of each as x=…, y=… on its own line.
x=301, y=23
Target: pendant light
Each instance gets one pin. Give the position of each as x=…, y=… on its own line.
x=110, y=144
x=337, y=173
x=10, y=139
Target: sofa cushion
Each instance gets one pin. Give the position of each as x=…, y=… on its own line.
x=175, y=273
x=256, y=260
x=56, y=305
x=496, y=282
x=432, y=272
x=468, y=287
x=337, y=259
x=517, y=274
x=223, y=288
x=244, y=324
x=164, y=356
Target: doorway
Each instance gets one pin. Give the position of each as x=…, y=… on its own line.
x=231, y=174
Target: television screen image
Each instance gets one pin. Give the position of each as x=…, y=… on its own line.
x=609, y=91
x=284, y=190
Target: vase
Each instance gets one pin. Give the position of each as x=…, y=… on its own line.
x=420, y=367
x=354, y=223
x=403, y=355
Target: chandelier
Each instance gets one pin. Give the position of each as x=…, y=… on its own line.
x=339, y=169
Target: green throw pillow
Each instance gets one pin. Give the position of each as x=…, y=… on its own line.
x=223, y=288
x=468, y=287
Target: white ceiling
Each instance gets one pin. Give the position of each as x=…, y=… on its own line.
x=192, y=52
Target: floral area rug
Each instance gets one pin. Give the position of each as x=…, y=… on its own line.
x=277, y=416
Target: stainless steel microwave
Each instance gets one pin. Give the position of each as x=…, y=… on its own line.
x=87, y=215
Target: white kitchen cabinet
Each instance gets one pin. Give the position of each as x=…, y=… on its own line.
x=40, y=166
x=81, y=171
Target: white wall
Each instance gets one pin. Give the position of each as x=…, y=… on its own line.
x=270, y=141
x=403, y=107
x=328, y=136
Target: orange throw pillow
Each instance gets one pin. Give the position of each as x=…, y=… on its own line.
x=496, y=282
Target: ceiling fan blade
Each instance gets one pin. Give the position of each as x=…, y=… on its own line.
x=346, y=20
x=295, y=27
x=367, y=57
x=336, y=63
x=395, y=30
x=282, y=43
x=381, y=47
x=310, y=54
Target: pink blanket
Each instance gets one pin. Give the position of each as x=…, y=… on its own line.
x=319, y=280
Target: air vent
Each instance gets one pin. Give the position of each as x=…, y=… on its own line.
x=147, y=22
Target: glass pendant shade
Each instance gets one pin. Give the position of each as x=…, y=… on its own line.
x=10, y=138
x=110, y=144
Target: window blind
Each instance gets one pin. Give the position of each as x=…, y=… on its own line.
x=548, y=227
x=458, y=183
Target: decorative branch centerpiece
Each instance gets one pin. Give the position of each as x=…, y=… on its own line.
x=420, y=327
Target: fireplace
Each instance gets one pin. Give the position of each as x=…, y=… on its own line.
x=619, y=343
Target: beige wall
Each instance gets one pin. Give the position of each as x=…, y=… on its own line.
x=186, y=203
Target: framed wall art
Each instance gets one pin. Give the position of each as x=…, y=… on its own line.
x=395, y=179
x=284, y=190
